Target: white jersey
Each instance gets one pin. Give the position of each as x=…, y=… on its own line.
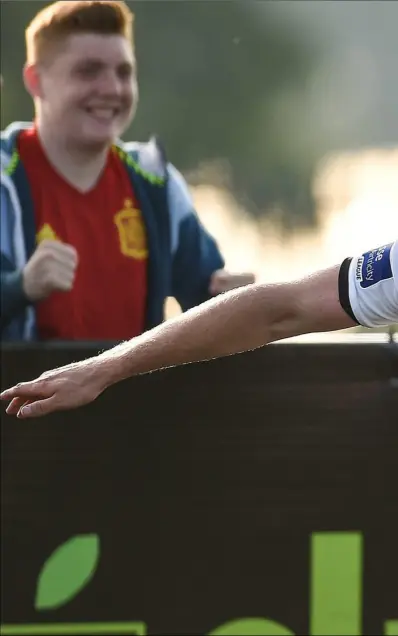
x=368, y=286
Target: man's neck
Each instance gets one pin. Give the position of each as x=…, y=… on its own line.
x=81, y=168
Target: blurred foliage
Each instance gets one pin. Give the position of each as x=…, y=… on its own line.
x=211, y=74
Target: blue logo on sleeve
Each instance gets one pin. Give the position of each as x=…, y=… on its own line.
x=374, y=266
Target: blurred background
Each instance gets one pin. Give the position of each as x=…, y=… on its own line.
x=282, y=115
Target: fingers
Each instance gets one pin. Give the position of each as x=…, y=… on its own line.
x=15, y=405
x=60, y=253
x=52, y=267
x=60, y=277
x=61, y=266
x=37, y=408
x=30, y=399
x=59, y=249
x=26, y=390
x=65, y=388
x=237, y=280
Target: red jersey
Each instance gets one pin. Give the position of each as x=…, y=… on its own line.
x=105, y=226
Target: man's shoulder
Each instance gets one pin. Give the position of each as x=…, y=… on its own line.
x=10, y=133
x=146, y=158
x=150, y=160
x=150, y=157
x=8, y=141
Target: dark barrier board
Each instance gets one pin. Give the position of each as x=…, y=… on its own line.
x=252, y=495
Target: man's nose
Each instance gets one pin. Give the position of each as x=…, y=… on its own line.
x=110, y=84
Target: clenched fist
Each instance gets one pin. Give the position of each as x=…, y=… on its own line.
x=52, y=267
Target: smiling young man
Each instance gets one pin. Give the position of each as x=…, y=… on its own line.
x=95, y=233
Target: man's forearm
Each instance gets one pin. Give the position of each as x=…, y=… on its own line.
x=240, y=320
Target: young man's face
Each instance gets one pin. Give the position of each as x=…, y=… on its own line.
x=89, y=90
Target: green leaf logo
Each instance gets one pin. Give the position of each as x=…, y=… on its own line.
x=67, y=571
x=252, y=627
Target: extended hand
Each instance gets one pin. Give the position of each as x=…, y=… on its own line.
x=57, y=390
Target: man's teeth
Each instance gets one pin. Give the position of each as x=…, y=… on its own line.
x=103, y=113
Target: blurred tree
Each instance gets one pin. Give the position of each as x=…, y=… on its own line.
x=210, y=74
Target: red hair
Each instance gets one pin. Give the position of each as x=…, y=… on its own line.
x=59, y=20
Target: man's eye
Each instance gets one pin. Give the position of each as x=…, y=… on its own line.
x=88, y=71
x=125, y=72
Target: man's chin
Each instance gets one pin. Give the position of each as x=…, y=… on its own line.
x=97, y=141
x=105, y=136
x=96, y=138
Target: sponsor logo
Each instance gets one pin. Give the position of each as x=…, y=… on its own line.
x=335, y=592
x=375, y=266
x=358, y=273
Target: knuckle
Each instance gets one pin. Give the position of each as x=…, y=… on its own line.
x=73, y=258
x=46, y=247
x=61, y=249
x=72, y=250
x=48, y=279
x=43, y=245
x=67, y=248
x=66, y=285
x=48, y=258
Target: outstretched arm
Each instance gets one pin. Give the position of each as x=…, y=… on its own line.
x=237, y=321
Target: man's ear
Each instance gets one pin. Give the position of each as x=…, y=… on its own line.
x=32, y=81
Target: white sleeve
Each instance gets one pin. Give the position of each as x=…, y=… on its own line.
x=368, y=286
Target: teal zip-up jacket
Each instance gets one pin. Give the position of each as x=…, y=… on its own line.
x=182, y=255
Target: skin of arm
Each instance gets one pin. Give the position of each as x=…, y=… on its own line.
x=237, y=321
